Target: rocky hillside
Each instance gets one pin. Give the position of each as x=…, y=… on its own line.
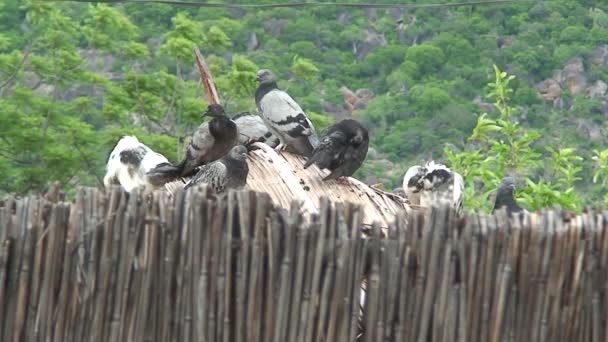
x=75, y=77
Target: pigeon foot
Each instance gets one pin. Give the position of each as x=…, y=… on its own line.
x=249, y=144
x=280, y=147
x=343, y=180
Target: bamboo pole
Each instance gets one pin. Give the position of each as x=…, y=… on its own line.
x=201, y=267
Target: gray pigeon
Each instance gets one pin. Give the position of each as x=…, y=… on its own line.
x=229, y=172
x=252, y=128
x=211, y=141
x=342, y=149
x=505, y=197
x=284, y=117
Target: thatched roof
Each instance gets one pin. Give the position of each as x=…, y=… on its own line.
x=284, y=179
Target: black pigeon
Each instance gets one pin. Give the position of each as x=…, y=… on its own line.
x=211, y=141
x=342, y=149
x=229, y=172
x=284, y=117
x=505, y=196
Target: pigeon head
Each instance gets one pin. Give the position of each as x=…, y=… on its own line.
x=413, y=176
x=238, y=152
x=214, y=110
x=505, y=195
x=359, y=138
x=264, y=76
x=508, y=185
x=434, y=178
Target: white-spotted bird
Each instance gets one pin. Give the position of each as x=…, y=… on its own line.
x=229, y=172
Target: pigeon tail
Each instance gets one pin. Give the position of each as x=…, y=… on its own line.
x=164, y=173
x=309, y=162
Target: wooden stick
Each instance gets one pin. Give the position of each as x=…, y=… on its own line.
x=206, y=78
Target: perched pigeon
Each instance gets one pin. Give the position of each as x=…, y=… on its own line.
x=410, y=183
x=284, y=117
x=505, y=197
x=252, y=128
x=342, y=149
x=211, y=141
x=229, y=172
x=129, y=162
x=433, y=184
x=399, y=191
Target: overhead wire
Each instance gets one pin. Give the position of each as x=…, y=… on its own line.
x=304, y=4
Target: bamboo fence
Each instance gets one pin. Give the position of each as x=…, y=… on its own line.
x=196, y=267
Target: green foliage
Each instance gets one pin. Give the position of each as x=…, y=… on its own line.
x=320, y=121
x=186, y=35
x=304, y=68
x=600, y=175
x=88, y=74
x=241, y=79
x=106, y=25
x=427, y=58
x=501, y=146
x=217, y=39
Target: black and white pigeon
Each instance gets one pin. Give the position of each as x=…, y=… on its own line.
x=284, y=116
x=411, y=182
x=253, y=129
x=129, y=162
x=211, y=141
x=505, y=196
x=434, y=184
x=342, y=149
x=229, y=172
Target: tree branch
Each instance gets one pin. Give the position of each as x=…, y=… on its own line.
x=11, y=78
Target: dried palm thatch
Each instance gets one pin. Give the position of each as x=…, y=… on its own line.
x=281, y=176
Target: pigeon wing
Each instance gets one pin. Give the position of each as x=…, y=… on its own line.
x=458, y=193
x=214, y=174
x=329, y=152
x=202, y=142
x=349, y=161
x=284, y=115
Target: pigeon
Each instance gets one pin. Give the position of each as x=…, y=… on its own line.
x=229, y=172
x=399, y=192
x=410, y=183
x=434, y=184
x=284, y=117
x=211, y=141
x=129, y=162
x=505, y=197
x=252, y=128
x=342, y=149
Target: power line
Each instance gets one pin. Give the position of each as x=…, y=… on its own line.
x=304, y=4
